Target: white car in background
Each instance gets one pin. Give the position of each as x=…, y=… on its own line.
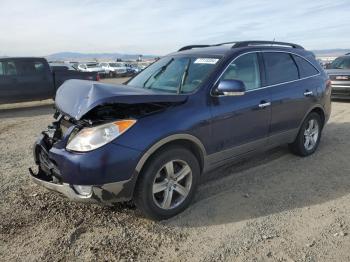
x=113, y=69
x=91, y=67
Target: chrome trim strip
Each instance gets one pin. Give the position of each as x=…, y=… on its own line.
x=263, y=105
x=263, y=87
x=341, y=86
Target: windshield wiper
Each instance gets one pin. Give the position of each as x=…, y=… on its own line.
x=184, y=76
x=157, y=73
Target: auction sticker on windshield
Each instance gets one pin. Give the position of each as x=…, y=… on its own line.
x=211, y=61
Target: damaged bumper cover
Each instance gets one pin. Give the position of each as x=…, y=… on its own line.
x=107, y=194
x=104, y=180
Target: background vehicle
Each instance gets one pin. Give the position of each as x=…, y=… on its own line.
x=27, y=79
x=339, y=73
x=113, y=69
x=187, y=113
x=92, y=67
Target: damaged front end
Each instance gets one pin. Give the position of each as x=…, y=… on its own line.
x=102, y=175
x=49, y=174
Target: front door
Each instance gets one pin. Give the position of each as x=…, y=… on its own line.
x=34, y=80
x=8, y=82
x=240, y=124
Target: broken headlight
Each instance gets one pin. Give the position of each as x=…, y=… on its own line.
x=90, y=138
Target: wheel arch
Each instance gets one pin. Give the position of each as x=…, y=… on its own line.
x=317, y=109
x=185, y=140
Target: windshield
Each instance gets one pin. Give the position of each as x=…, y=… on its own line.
x=341, y=63
x=175, y=74
x=114, y=65
x=92, y=65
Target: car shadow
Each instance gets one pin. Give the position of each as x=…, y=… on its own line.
x=273, y=182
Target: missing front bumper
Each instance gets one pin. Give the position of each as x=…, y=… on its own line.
x=107, y=194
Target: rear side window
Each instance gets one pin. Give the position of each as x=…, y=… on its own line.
x=39, y=67
x=280, y=68
x=30, y=68
x=305, y=68
x=246, y=69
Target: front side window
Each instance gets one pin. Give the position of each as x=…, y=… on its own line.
x=305, y=68
x=246, y=69
x=280, y=68
x=175, y=74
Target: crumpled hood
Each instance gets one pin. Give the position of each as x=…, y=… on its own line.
x=77, y=97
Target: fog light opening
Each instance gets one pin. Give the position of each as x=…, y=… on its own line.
x=83, y=190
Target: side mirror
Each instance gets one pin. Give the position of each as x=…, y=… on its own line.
x=230, y=88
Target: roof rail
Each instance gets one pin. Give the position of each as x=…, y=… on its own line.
x=237, y=44
x=257, y=43
x=192, y=46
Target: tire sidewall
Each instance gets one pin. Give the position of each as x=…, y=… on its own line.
x=301, y=142
x=156, y=162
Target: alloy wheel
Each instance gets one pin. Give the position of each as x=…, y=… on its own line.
x=172, y=184
x=311, y=134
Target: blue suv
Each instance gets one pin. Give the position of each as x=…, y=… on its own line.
x=151, y=139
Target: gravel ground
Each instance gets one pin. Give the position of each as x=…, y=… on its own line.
x=272, y=207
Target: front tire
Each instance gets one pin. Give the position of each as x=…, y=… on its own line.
x=309, y=136
x=168, y=183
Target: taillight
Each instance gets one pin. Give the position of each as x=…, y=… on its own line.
x=98, y=77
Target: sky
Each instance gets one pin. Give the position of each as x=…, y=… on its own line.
x=158, y=27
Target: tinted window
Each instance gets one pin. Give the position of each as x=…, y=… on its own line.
x=1, y=69
x=305, y=68
x=39, y=67
x=280, y=68
x=9, y=68
x=341, y=63
x=30, y=68
x=246, y=69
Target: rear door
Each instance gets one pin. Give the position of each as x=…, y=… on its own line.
x=292, y=94
x=35, y=79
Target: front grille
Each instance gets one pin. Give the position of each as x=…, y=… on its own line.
x=340, y=77
x=47, y=165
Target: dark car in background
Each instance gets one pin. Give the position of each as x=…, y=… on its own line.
x=339, y=74
x=31, y=78
x=191, y=111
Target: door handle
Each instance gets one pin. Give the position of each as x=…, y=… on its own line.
x=308, y=93
x=264, y=104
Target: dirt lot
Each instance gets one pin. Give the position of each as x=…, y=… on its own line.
x=273, y=207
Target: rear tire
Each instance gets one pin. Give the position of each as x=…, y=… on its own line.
x=309, y=136
x=168, y=183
